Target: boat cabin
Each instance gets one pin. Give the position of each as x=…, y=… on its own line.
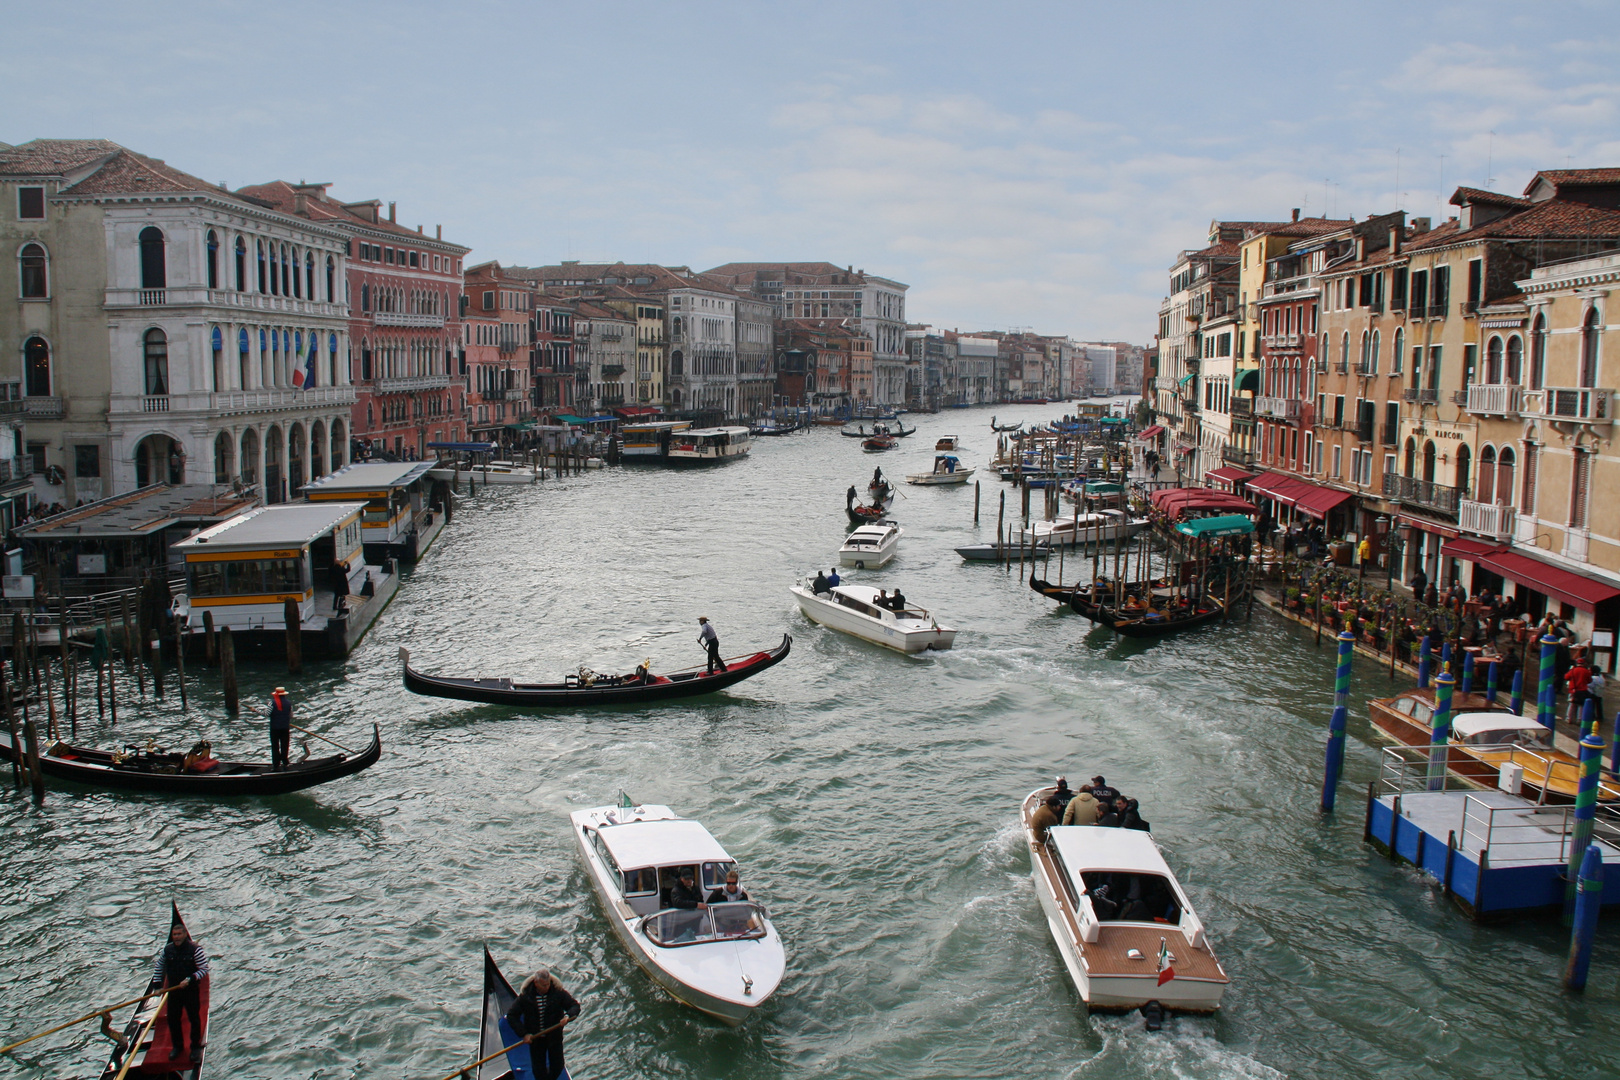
x=1500, y=729
x=649, y=855
x=397, y=495
x=245, y=569
x=710, y=444
x=650, y=441
x=1119, y=876
x=946, y=464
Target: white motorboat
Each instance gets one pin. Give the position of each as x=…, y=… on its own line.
x=947, y=444
x=1119, y=917
x=486, y=472
x=853, y=609
x=1098, y=526
x=871, y=546
x=724, y=959
x=709, y=445
x=947, y=470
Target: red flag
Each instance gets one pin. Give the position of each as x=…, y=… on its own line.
x=1166, y=975
x=1166, y=971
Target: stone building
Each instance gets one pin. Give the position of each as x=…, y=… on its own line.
x=605, y=349
x=497, y=311
x=175, y=331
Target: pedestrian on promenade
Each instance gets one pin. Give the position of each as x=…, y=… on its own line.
x=711, y=641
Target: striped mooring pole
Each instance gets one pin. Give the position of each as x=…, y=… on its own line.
x=1440, y=733
x=1516, y=703
x=1546, y=693
x=1490, y=682
x=1425, y=661
x=1588, y=895
x=1580, y=834
x=1468, y=673
x=1334, y=767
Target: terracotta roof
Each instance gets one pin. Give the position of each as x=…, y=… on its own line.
x=1575, y=177
x=663, y=277
x=129, y=173
x=283, y=196
x=1552, y=220
x=1465, y=195
x=54, y=157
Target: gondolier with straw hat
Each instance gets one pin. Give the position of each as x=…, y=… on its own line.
x=280, y=728
x=711, y=641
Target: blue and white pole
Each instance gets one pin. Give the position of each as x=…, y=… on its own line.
x=1334, y=767
x=1468, y=673
x=1490, y=682
x=1440, y=733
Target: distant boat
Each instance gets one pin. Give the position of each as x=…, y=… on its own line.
x=871, y=546
x=853, y=609
x=947, y=470
x=1004, y=427
x=879, y=443
x=947, y=444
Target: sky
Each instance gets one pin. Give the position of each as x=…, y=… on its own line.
x=1018, y=165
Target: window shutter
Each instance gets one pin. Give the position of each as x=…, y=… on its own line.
x=1527, y=502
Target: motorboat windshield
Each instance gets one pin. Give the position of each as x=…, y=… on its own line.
x=735, y=921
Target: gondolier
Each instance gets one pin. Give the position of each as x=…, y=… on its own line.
x=183, y=965
x=711, y=641
x=543, y=1008
x=280, y=728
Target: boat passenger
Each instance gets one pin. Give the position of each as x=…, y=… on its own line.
x=832, y=578
x=1062, y=792
x=684, y=893
x=731, y=892
x=1045, y=816
x=201, y=759
x=542, y=1009
x=1129, y=815
x=897, y=602
x=1082, y=809
x=882, y=599
x=1102, y=792
x=821, y=584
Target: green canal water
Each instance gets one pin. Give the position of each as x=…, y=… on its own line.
x=871, y=799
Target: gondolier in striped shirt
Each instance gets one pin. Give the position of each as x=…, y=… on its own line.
x=539, y=1014
x=711, y=641
x=183, y=965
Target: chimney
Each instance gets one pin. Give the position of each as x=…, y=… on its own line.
x=223, y=186
x=391, y=206
x=438, y=232
x=1394, y=240
x=419, y=230
x=1420, y=225
x=300, y=201
x=1296, y=213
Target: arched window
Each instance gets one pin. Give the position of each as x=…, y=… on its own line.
x=1515, y=360
x=331, y=280
x=224, y=446
x=1344, y=349
x=1538, y=352
x=1464, y=460
x=154, y=274
x=250, y=456
x=242, y=350
x=1395, y=353
x=36, y=367
x=241, y=265
x=217, y=343
x=1366, y=345
x=155, y=349
x=1504, y=477
x=33, y=280
x=309, y=275
x=1372, y=355
x=331, y=349
x=1487, y=475
x=1429, y=455
x=264, y=273
x=297, y=278
x=213, y=259
x=1493, y=360
x=365, y=296
x=286, y=272
x=1589, y=348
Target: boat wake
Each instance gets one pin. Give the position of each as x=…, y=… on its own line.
x=1185, y=1049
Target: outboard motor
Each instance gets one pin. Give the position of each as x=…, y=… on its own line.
x=1153, y=1015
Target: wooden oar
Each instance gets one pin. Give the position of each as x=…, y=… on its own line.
x=82, y=1019
x=468, y=1070
x=313, y=734
x=129, y=1055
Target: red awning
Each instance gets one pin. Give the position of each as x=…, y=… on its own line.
x=1428, y=525
x=1150, y=432
x=1545, y=578
x=1285, y=489
x=1318, y=502
x=1229, y=475
x=1174, y=502
x=637, y=410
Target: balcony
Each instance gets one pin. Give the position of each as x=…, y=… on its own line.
x=1486, y=519
x=1582, y=404
x=155, y=403
x=1342, y=367
x=1437, y=311
x=1424, y=493
x=1278, y=408
x=400, y=318
x=407, y=383
x=274, y=400
x=1493, y=399
x=1238, y=456
x=230, y=298
x=498, y=393
x=152, y=297
x=1364, y=432
x=18, y=468
x=612, y=371
x=1365, y=367
x=43, y=408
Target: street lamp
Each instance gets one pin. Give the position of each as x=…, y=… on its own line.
x=1381, y=527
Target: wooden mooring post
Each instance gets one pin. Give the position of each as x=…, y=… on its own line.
x=210, y=642
x=293, y=621
x=31, y=736
x=180, y=660
x=227, y=669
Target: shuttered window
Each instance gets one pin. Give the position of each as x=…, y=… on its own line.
x=1578, y=492
x=1527, y=499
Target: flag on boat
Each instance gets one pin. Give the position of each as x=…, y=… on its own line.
x=1166, y=972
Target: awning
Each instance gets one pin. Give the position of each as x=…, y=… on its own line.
x=1545, y=578
x=638, y=410
x=570, y=418
x=1151, y=432
x=1175, y=502
x=1213, y=528
x=1320, y=501
x=1185, y=449
x=521, y=425
x=1280, y=487
x=1428, y=525
x=1227, y=474
x=1185, y=379
x=1247, y=379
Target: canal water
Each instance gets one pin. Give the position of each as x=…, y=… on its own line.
x=870, y=797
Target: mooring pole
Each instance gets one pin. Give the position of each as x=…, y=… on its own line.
x=227, y=670
x=1440, y=732
x=1334, y=766
x=1588, y=895
x=1546, y=693
x=1586, y=792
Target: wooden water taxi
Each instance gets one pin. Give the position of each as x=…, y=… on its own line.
x=1098, y=526
x=724, y=958
x=1126, y=931
x=947, y=444
x=871, y=546
x=589, y=688
x=854, y=610
x=948, y=469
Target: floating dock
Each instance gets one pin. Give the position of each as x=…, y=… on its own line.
x=1494, y=853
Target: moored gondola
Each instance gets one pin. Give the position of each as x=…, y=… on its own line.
x=164, y=772
x=1060, y=593
x=590, y=688
x=146, y=1049
x=1156, y=622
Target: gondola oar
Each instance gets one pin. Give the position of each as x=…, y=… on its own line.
x=313, y=734
x=82, y=1019
x=129, y=1055
x=467, y=1071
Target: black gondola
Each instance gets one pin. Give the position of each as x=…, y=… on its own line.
x=1059, y=593
x=589, y=688
x=146, y=1036
x=1155, y=624
x=496, y=1035
x=162, y=772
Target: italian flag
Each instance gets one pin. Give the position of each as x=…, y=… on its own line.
x=1166, y=972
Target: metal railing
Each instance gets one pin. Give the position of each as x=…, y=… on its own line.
x=1279, y=408
x=401, y=318
x=1585, y=403
x=1428, y=396
x=1425, y=493
x=395, y=384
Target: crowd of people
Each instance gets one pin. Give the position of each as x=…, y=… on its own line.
x=1095, y=803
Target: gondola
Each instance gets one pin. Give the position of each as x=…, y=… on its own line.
x=146, y=1036
x=589, y=688
x=865, y=515
x=162, y=772
x=1141, y=626
x=879, y=443
x=496, y=1035
x=1004, y=427
x=1055, y=592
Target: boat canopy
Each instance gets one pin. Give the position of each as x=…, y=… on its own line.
x=1101, y=487
x=1467, y=725
x=466, y=447
x=661, y=842
x=1213, y=528
x=1087, y=848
